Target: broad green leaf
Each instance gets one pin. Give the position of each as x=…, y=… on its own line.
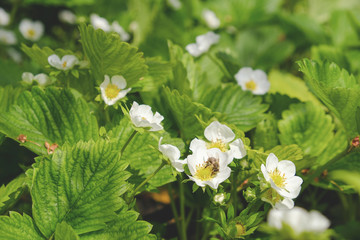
x=279, y=103
x=10, y=193
x=79, y=184
x=290, y=85
x=65, y=232
x=51, y=115
x=141, y=154
x=8, y=96
x=184, y=112
x=306, y=125
x=266, y=133
x=10, y=73
x=17, y=226
x=239, y=107
x=338, y=90
x=125, y=226
x=109, y=55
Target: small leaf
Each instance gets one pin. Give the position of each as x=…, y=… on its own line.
x=16, y=226
x=109, y=55
x=65, y=232
x=11, y=193
x=230, y=212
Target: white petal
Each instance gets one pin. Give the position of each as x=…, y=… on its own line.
x=243, y=75
x=42, y=79
x=123, y=93
x=196, y=144
x=119, y=81
x=27, y=77
x=217, y=131
x=271, y=162
x=265, y=173
x=220, y=177
x=287, y=167
x=210, y=18
x=317, y=222
x=286, y=203
x=197, y=181
x=54, y=61
x=179, y=165
x=237, y=149
x=275, y=218
x=193, y=49
x=4, y=17
x=70, y=60
x=99, y=22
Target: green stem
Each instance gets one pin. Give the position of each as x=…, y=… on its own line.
x=14, y=9
x=221, y=66
x=173, y=208
x=234, y=193
x=127, y=142
x=182, y=211
x=188, y=219
x=147, y=179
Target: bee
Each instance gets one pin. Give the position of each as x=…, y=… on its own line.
x=214, y=163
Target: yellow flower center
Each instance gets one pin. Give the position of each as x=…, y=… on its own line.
x=277, y=178
x=218, y=144
x=64, y=64
x=112, y=91
x=251, y=85
x=31, y=33
x=207, y=170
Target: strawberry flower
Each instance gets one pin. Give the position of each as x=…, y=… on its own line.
x=112, y=91
x=31, y=30
x=65, y=63
x=253, y=80
x=173, y=154
x=142, y=116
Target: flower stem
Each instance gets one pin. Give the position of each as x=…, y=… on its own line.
x=182, y=211
x=173, y=208
x=147, y=179
x=234, y=192
x=127, y=142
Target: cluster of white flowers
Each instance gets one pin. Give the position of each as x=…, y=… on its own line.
x=208, y=163
x=101, y=23
x=253, y=80
x=203, y=43
x=41, y=78
x=279, y=182
x=299, y=220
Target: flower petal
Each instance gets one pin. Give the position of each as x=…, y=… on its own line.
x=286, y=167
x=54, y=61
x=271, y=162
x=237, y=149
x=217, y=131
x=119, y=81
x=27, y=77
x=196, y=144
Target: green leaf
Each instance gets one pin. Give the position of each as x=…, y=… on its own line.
x=141, y=154
x=109, y=55
x=330, y=53
x=184, y=112
x=53, y=116
x=65, y=232
x=287, y=152
x=306, y=125
x=266, y=133
x=338, y=90
x=239, y=107
x=349, y=177
x=10, y=73
x=125, y=226
x=18, y=226
x=8, y=96
x=343, y=29
x=10, y=193
x=60, y=2
x=290, y=85
x=38, y=55
x=79, y=184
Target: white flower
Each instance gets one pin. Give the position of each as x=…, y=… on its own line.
x=299, y=220
x=7, y=37
x=208, y=167
x=175, y=4
x=100, y=23
x=275, y=199
x=65, y=63
x=253, y=80
x=112, y=91
x=203, y=43
x=67, y=16
x=142, y=116
x=115, y=26
x=4, y=17
x=31, y=30
x=173, y=154
x=281, y=176
x=219, y=198
x=41, y=78
x=220, y=136
x=210, y=18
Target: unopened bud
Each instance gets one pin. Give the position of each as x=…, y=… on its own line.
x=219, y=198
